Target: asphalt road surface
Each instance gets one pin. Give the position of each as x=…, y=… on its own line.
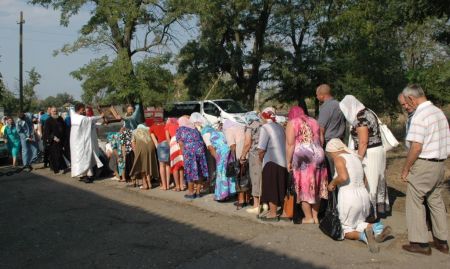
x=49, y=221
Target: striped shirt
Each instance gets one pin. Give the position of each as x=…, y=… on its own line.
x=429, y=127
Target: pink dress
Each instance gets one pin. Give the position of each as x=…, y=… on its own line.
x=309, y=167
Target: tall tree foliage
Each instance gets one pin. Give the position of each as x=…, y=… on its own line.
x=127, y=27
x=231, y=43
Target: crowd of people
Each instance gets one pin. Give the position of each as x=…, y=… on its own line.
x=256, y=163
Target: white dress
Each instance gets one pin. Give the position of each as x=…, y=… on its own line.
x=353, y=198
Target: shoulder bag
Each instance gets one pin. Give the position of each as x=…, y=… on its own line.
x=232, y=168
x=243, y=180
x=289, y=199
x=388, y=139
x=330, y=224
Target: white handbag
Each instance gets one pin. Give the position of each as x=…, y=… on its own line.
x=388, y=139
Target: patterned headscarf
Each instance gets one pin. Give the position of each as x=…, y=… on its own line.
x=350, y=106
x=268, y=114
x=251, y=117
x=184, y=121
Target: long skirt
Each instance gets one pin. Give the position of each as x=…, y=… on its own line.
x=176, y=156
x=145, y=160
x=374, y=165
x=255, y=169
x=274, y=182
x=225, y=186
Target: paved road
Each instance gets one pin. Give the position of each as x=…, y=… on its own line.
x=49, y=221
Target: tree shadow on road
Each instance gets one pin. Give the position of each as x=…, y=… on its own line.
x=47, y=224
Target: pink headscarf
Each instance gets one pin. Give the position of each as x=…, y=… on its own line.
x=184, y=121
x=296, y=116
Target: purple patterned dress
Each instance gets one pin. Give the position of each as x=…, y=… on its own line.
x=194, y=155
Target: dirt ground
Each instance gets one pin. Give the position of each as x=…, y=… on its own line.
x=397, y=188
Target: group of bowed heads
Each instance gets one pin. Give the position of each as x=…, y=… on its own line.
x=259, y=162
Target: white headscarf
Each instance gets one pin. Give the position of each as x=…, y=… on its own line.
x=336, y=145
x=197, y=118
x=350, y=106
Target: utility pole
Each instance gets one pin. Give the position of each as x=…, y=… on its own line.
x=21, y=22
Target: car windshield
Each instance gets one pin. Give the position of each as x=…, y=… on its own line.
x=230, y=106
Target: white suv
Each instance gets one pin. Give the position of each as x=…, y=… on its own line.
x=214, y=111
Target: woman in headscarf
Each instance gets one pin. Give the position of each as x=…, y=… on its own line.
x=272, y=153
x=225, y=187
x=12, y=139
x=125, y=138
x=306, y=158
x=193, y=148
x=176, y=156
x=353, y=201
x=366, y=137
x=235, y=136
x=250, y=149
x=199, y=122
x=145, y=164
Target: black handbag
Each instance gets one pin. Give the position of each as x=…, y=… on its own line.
x=243, y=180
x=330, y=224
x=232, y=165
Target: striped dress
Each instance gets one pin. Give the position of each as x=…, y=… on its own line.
x=176, y=156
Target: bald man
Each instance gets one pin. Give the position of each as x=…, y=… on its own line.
x=331, y=120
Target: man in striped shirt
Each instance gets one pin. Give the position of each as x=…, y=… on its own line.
x=423, y=170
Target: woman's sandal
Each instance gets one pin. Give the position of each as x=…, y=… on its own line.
x=310, y=221
x=239, y=206
x=270, y=219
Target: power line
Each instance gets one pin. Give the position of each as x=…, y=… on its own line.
x=37, y=31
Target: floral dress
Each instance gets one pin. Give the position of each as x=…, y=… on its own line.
x=194, y=154
x=225, y=186
x=114, y=139
x=310, y=173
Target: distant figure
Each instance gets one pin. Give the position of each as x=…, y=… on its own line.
x=12, y=139
x=424, y=171
x=84, y=149
x=42, y=119
x=132, y=117
x=55, y=134
x=27, y=139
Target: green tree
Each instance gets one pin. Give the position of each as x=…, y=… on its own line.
x=127, y=27
x=231, y=45
x=58, y=101
x=30, y=100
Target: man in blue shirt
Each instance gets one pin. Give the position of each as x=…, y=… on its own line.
x=42, y=120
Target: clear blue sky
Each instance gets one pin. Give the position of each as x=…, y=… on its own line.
x=42, y=35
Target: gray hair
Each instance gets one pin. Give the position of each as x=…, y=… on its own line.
x=413, y=90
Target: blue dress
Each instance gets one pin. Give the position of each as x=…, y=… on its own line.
x=225, y=186
x=194, y=155
x=13, y=140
